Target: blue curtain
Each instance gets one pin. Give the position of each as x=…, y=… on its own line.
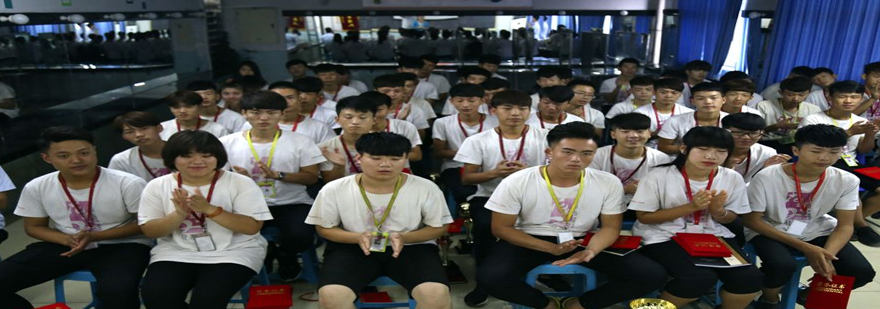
x=586, y=23
x=754, y=47
x=643, y=24
x=104, y=27
x=35, y=30
x=706, y=30
x=843, y=35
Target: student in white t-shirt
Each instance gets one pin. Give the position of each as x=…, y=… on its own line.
x=740, y=75
x=392, y=85
x=783, y=115
x=185, y=106
x=83, y=218
x=425, y=91
x=450, y=132
x=695, y=194
x=822, y=77
x=695, y=72
x=345, y=79
x=439, y=82
x=539, y=211
x=617, y=89
x=667, y=91
x=145, y=158
x=584, y=93
x=492, y=155
x=5, y=185
x=547, y=76
x=332, y=90
x=772, y=91
x=491, y=63
x=411, y=81
x=282, y=164
x=708, y=98
x=230, y=96
x=870, y=105
x=207, y=223
x=629, y=159
x=642, y=88
x=381, y=222
x=384, y=124
x=470, y=75
x=748, y=157
x=737, y=94
x=292, y=120
x=297, y=69
x=551, y=108
x=313, y=104
x=356, y=116
x=790, y=213
x=491, y=87
x=231, y=120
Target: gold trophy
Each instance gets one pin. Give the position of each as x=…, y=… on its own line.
x=650, y=303
x=467, y=244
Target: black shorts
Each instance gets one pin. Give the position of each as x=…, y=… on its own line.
x=346, y=264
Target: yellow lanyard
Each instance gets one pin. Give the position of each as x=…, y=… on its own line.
x=574, y=205
x=271, y=150
x=834, y=121
x=378, y=222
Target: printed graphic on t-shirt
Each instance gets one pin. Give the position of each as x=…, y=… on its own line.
x=160, y=171
x=190, y=225
x=622, y=173
x=77, y=221
x=793, y=209
x=557, y=218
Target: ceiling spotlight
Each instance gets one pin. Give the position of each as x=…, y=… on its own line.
x=20, y=19
x=75, y=18
x=116, y=17
x=624, y=13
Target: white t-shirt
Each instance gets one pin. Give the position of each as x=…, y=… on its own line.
x=343, y=92
x=677, y=126
x=129, y=161
x=773, y=193
x=536, y=98
x=610, y=84
x=664, y=188
x=439, y=82
x=594, y=116
x=115, y=203
x=292, y=152
x=419, y=203
x=315, y=130
x=170, y=127
x=852, y=143
x=426, y=91
x=624, y=107
x=358, y=85
x=818, y=98
x=758, y=154
x=659, y=119
x=237, y=194
x=483, y=149
x=327, y=103
x=754, y=101
x=415, y=117
x=326, y=116
x=749, y=110
x=232, y=121
x=537, y=122
x=525, y=194
x=335, y=145
x=447, y=129
x=6, y=92
x=772, y=91
x=774, y=113
x=625, y=168
x=5, y=185
x=424, y=106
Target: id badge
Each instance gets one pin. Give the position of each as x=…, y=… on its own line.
x=204, y=242
x=268, y=188
x=850, y=160
x=379, y=242
x=564, y=237
x=796, y=228
x=694, y=228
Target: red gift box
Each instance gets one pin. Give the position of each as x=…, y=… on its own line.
x=375, y=297
x=270, y=297
x=702, y=245
x=872, y=172
x=55, y=306
x=622, y=242
x=826, y=294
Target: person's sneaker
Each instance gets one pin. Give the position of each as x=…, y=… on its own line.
x=762, y=304
x=289, y=271
x=867, y=236
x=555, y=282
x=476, y=298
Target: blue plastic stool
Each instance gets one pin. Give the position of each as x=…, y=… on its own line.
x=82, y=275
x=310, y=258
x=385, y=281
x=585, y=279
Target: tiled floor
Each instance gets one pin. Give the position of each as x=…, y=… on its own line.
x=78, y=293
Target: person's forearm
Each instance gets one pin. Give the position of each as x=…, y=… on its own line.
x=47, y=234
x=303, y=178
x=725, y=217
x=163, y=226
x=519, y=238
x=338, y=235
x=237, y=223
x=603, y=238
x=863, y=107
x=667, y=146
x=866, y=144
x=839, y=238
x=445, y=153
x=477, y=178
x=415, y=154
x=126, y=230
x=664, y=215
x=424, y=234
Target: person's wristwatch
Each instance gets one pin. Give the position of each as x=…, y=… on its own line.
x=280, y=176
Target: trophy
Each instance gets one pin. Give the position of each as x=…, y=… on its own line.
x=650, y=303
x=466, y=245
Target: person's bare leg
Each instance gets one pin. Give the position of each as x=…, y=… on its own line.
x=336, y=296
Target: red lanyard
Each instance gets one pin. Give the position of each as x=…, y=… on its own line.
x=657, y=116
x=805, y=201
x=337, y=93
x=460, y=126
x=219, y=110
x=354, y=167
x=522, y=143
x=387, y=125
x=697, y=123
x=144, y=162
x=561, y=117
x=690, y=195
x=296, y=122
x=312, y=114
x=88, y=212
x=748, y=163
x=200, y=216
x=623, y=180
x=198, y=124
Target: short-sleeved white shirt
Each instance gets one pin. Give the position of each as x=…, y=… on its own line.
x=753, y=103
x=424, y=106
x=659, y=119
x=426, y=91
x=773, y=193
x=292, y=152
x=595, y=117
x=663, y=188
x=852, y=143
x=236, y=194
x=447, y=129
x=326, y=116
x=232, y=121
x=749, y=110
x=343, y=92
x=327, y=103
x=818, y=98
x=315, y=130
x=624, y=107
x=129, y=161
x=483, y=149
x=608, y=86
x=5, y=185
x=624, y=167
x=419, y=203
x=170, y=127
x=415, y=117
x=758, y=154
x=525, y=194
x=537, y=122
x=536, y=98
x=358, y=85
x=774, y=113
x=439, y=82
x=677, y=126
x=115, y=203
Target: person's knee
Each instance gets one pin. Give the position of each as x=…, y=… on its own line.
x=746, y=280
x=335, y=296
x=864, y=275
x=432, y=295
x=693, y=284
x=649, y=278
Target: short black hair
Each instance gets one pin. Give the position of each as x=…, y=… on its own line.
x=325, y=68
x=377, y=98
x=744, y=85
x=357, y=104
x=630, y=121
x=383, y=144
x=796, y=84
x=872, y=67
x=263, y=99
x=707, y=87
x=251, y=82
x=564, y=73
x=294, y=62
x=669, y=83
x=342, y=70
x=187, y=98
x=733, y=75
x=186, y=142
x=431, y=58
x=495, y=83
x=59, y=134
x=576, y=130
x=200, y=85
x=548, y=72
x=821, y=70
x=744, y=121
x=802, y=71
x=629, y=60
x=490, y=59
x=466, y=90
x=712, y=137
x=464, y=72
x=581, y=82
x=308, y=84
x=136, y=119
x=643, y=80
x=388, y=80
x=407, y=76
x=698, y=65
x=845, y=86
x=556, y=94
x=511, y=97
x=822, y=135
x=410, y=63
x=231, y=84
x=282, y=85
